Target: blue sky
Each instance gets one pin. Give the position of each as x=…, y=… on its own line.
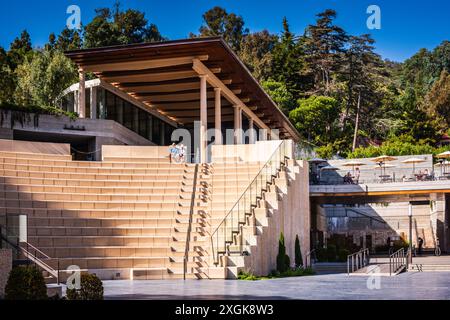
x=406, y=27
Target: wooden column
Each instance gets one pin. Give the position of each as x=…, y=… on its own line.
x=251, y=128
x=82, y=94
x=218, y=115
x=203, y=118
x=93, y=102
x=237, y=125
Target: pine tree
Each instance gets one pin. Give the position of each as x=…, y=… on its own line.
x=287, y=62
x=324, y=44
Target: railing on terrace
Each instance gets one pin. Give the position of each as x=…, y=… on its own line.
x=369, y=176
x=230, y=230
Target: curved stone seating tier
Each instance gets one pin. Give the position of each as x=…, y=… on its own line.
x=126, y=216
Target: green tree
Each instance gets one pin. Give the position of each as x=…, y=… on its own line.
x=287, y=62
x=7, y=79
x=280, y=95
x=316, y=119
x=68, y=39
x=116, y=27
x=218, y=22
x=19, y=50
x=256, y=52
x=41, y=80
x=437, y=101
x=283, y=261
x=324, y=44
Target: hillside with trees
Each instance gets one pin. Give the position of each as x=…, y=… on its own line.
x=343, y=97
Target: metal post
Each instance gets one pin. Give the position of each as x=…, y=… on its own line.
x=410, y=229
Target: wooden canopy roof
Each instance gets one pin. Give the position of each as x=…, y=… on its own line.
x=164, y=77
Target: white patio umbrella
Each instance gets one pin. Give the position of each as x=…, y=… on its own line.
x=413, y=161
x=383, y=158
x=445, y=156
x=383, y=167
x=317, y=160
x=331, y=168
x=353, y=164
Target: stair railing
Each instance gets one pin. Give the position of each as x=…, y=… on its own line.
x=358, y=260
x=191, y=213
x=397, y=261
x=230, y=229
x=310, y=258
x=31, y=253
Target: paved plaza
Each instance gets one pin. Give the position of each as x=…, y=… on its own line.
x=411, y=285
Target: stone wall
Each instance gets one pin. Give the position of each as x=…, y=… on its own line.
x=5, y=268
x=287, y=210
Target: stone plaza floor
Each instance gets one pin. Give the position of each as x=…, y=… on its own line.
x=409, y=286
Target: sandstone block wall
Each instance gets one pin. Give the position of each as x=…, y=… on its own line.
x=5, y=268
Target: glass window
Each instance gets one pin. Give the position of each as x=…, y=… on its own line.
x=110, y=106
x=101, y=108
x=128, y=115
x=149, y=134
x=88, y=103
x=168, y=129
x=143, y=120
x=156, y=131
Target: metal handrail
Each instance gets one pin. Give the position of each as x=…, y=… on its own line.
x=309, y=255
x=34, y=258
x=358, y=260
x=191, y=213
x=229, y=216
x=397, y=261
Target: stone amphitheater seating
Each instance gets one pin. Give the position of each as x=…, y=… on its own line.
x=116, y=215
x=125, y=218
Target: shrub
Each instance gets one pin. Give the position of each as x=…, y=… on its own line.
x=298, y=253
x=331, y=253
x=91, y=289
x=283, y=260
x=246, y=275
x=25, y=283
x=342, y=255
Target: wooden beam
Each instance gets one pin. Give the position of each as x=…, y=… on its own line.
x=163, y=87
x=210, y=118
x=143, y=64
x=170, y=93
x=196, y=112
x=186, y=106
x=158, y=99
x=162, y=76
x=201, y=69
x=223, y=77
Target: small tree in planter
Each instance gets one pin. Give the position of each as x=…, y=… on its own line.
x=283, y=260
x=91, y=289
x=298, y=253
x=25, y=283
